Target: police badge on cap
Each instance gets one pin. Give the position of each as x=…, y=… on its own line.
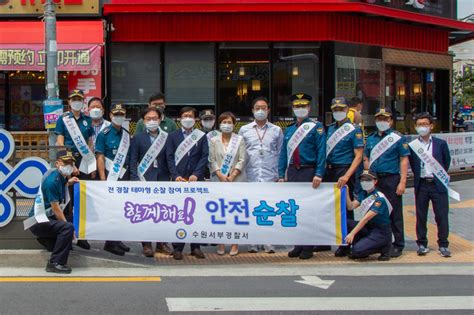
x=300, y=99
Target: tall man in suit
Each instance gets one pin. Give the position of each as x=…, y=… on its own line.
x=428, y=186
x=187, y=152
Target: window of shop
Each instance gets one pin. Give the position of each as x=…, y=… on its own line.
x=295, y=69
x=190, y=74
x=243, y=74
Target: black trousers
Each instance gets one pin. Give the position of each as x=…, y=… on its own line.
x=387, y=184
x=427, y=191
x=302, y=175
x=62, y=231
x=333, y=174
x=370, y=239
x=180, y=246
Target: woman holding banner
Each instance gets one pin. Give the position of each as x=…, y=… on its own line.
x=227, y=160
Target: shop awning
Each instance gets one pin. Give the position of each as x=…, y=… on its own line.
x=79, y=45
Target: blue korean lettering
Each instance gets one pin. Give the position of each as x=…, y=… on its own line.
x=263, y=212
x=240, y=207
x=287, y=210
x=214, y=207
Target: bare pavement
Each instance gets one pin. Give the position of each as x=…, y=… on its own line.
x=250, y=283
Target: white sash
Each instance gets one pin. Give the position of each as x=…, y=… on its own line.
x=39, y=209
x=369, y=201
x=88, y=163
x=151, y=154
x=436, y=168
x=338, y=135
x=232, y=150
x=383, y=146
x=187, y=144
x=212, y=134
x=297, y=137
x=115, y=170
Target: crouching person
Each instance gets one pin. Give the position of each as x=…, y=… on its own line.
x=372, y=234
x=50, y=224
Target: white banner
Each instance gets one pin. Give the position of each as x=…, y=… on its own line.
x=208, y=212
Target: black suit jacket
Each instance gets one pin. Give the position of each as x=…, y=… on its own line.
x=139, y=146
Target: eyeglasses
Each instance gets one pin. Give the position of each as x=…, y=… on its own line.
x=151, y=119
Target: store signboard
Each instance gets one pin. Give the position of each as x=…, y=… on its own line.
x=36, y=7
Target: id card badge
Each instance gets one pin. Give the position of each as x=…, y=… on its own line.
x=155, y=164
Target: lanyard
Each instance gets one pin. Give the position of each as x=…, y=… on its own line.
x=258, y=134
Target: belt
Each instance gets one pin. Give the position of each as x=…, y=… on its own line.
x=427, y=180
x=334, y=166
x=386, y=174
x=303, y=166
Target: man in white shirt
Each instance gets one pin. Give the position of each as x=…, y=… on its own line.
x=263, y=141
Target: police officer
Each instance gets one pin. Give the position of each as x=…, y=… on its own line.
x=345, y=146
x=108, y=144
x=372, y=234
x=386, y=153
x=57, y=234
x=307, y=156
x=84, y=124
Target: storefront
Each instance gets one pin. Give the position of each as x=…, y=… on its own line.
x=222, y=54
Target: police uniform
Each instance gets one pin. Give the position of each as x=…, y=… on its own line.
x=56, y=235
x=308, y=159
x=107, y=143
x=376, y=235
x=387, y=168
x=340, y=158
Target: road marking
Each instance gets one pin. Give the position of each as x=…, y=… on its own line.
x=80, y=279
x=320, y=304
x=316, y=282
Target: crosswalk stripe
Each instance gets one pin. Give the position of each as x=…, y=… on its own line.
x=320, y=304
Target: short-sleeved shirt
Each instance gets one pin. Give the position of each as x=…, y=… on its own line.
x=379, y=206
x=85, y=126
x=108, y=142
x=53, y=186
x=166, y=124
x=389, y=161
x=343, y=152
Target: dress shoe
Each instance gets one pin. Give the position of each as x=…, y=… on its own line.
x=306, y=254
x=114, y=249
x=163, y=248
x=384, y=257
x=444, y=251
x=198, y=253
x=234, y=250
x=342, y=251
x=269, y=249
x=147, y=250
x=177, y=255
x=321, y=248
x=57, y=268
x=295, y=252
x=83, y=244
x=47, y=243
x=123, y=247
x=253, y=249
x=396, y=252
x=422, y=250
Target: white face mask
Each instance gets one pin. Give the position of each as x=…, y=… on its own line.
x=152, y=125
x=118, y=120
x=188, y=122
x=95, y=113
x=66, y=170
x=339, y=116
x=301, y=112
x=77, y=105
x=423, y=131
x=208, y=124
x=260, y=114
x=382, y=125
x=367, y=185
x=227, y=128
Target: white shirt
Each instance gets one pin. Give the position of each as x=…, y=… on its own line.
x=426, y=171
x=263, y=147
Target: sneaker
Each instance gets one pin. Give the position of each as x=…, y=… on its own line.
x=57, y=268
x=253, y=249
x=422, y=250
x=269, y=249
x=444, y=251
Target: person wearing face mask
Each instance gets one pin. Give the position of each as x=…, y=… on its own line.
x=263, y=141
x=386, y=153
x=303, y=155
x=96, y=113
x=187, y=162
x=208, y=121
x=57, y=234
x=372, y=234
x=112, y=143
x=344, y=150
x=227, y=160
x=167, y=124
x=427, y=184
x=79, y=124
x=150, y=144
